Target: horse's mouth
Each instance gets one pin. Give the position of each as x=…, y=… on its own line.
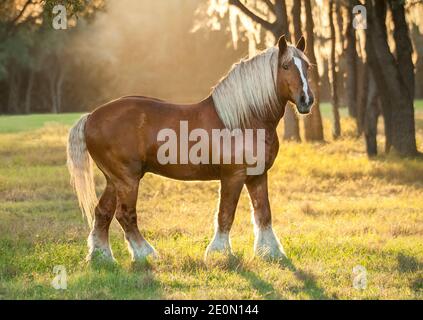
x=303, y=110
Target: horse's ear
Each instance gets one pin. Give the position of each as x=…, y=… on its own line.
x=301, y=44
x=282, y=45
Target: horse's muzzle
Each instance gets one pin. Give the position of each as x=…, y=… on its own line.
x=304, y=107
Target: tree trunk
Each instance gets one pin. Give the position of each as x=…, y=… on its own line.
x=402, y=133
x=296, y=20
x=404, y=48
x=28, y=94
x=393, y=78
x=352, y=59
x=387, y=122
x=59, y=89
x=341, y=64
x=277, y=28
x=333, y=76
x=371, y=117
x=313, y=126
x=282, y=24
x=362, y=89
x=291, y=124
x=13, y=104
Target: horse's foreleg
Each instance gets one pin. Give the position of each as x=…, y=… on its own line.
x=127, y=192
x=266, y=243
x=98, y=240
x=230, y=190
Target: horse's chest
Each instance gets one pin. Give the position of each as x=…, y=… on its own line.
x=272, y=148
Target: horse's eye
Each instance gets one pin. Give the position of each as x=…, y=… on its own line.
x=285, y=66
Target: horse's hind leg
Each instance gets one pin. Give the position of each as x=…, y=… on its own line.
x=98, y=240
x=127, y=193
x=230, y=190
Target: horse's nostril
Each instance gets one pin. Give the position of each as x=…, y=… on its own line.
x=302, y=99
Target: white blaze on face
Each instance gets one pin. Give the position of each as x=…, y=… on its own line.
x=297, y=62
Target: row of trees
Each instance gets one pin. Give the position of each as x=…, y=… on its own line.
x=35, y=59
x=110, y=49
x=360, y=64
x=370, y=71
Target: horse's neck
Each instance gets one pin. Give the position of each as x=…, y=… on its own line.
x=270, y=124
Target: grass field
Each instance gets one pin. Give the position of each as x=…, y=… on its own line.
x=333, y=210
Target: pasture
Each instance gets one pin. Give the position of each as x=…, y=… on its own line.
x=333, y=209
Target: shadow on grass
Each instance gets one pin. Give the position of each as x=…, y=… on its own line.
x=108, y=280
x=309, y=281
x=408, y=171
x=237, y=264
x=264, y=288
x=267, y=290
x=409, y=264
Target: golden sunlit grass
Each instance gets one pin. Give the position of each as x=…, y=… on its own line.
x=332, y=207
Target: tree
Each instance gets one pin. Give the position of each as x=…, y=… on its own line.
x=25, y=27
x=312, y=123
x=291, y=123
x=279, y=27
x=352, y=64
x=333, y=74
x=393, y=74
x=271, y=16
x=372, y=112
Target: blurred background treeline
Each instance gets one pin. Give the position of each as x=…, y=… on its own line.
x=178, y=49
x=110, y=49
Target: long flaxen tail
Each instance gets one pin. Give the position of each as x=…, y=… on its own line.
x=80, y=167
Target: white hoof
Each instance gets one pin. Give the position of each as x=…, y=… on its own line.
x=220, y=243
x=99, y=254
x=142, y=251
x=267, y=245
x=98, y=249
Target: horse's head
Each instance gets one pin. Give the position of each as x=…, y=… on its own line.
x=292, y=81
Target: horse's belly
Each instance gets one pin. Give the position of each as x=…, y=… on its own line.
x=188, y=172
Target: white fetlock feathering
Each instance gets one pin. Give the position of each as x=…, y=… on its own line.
x=96, y=247
x=220, y=243
x=267, y=244
x=141, y=251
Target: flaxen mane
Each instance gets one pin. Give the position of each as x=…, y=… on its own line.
x=249, y=89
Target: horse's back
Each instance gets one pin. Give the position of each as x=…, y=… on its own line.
x=128, y=127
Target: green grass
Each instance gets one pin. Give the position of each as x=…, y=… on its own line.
x=18, y=123
x=332, y=207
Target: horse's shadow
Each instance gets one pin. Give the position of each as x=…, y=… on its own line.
x=267, y=290
x=115, y=277
x=310, y=286
x=264, y=288
x=233, y=263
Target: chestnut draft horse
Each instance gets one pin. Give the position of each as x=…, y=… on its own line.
x=122, y=139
